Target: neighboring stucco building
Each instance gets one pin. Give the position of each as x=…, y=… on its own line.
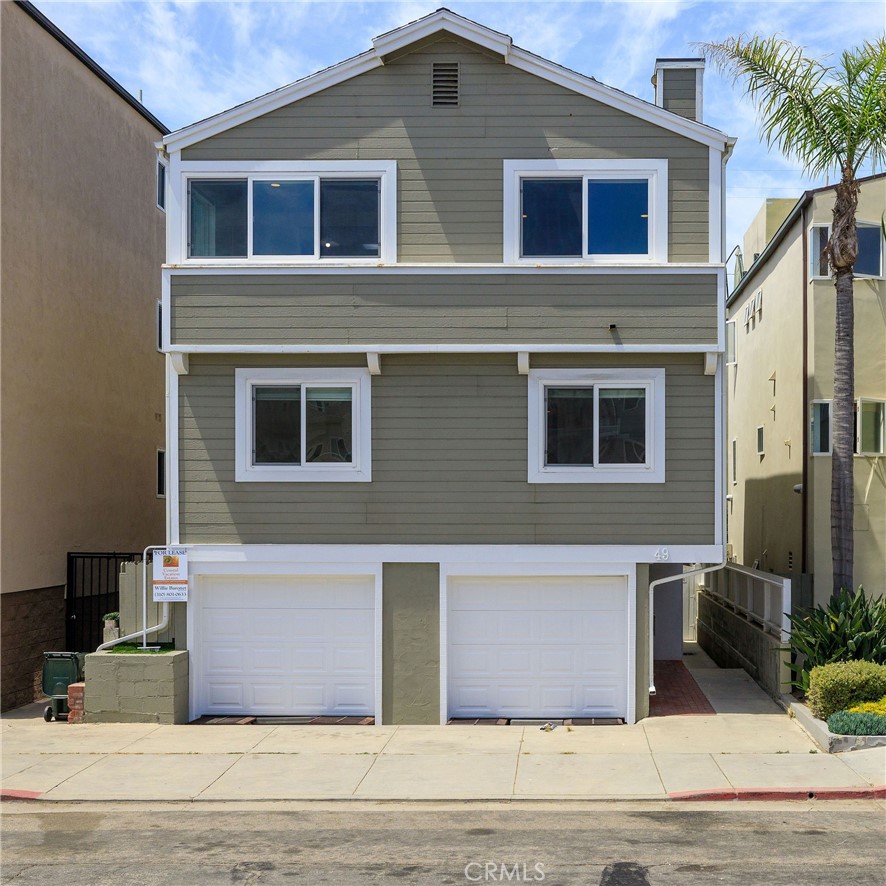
x=445, y=334
x=82, y=381
x=780, y=382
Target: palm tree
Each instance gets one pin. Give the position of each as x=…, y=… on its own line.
x=832, y=118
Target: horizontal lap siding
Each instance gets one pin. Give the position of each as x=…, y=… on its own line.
x=449, y=464
x=679, y=91
x=397, y=309
x=449, y=160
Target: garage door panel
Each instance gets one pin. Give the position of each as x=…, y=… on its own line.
x=287, y=645
x=538, y=647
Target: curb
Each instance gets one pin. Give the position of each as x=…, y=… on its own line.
x=20, y=795
x=818, y=731
x=873, y=793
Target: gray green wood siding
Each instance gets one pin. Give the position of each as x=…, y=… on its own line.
x=450, y=159
x=679, y=91
x=449, y=463
x=379, y=308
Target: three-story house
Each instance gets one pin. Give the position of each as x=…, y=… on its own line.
x=444, y=328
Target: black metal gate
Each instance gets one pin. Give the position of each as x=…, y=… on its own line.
x=93, y=589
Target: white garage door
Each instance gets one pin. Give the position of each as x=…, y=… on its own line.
x=293, y=645
x=538, y=647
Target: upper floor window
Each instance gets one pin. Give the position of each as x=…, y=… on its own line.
x=162, y=166
x=585, y=210
x=291, y=211
x=302, y=425
x=596, y=426
x=870, y=251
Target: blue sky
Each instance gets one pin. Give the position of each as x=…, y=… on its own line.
x=193, y=59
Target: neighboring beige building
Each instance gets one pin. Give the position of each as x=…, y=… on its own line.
x=779, y=387
x=82, y=381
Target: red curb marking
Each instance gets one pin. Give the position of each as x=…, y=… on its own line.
x=874, y=793
x=20, y=795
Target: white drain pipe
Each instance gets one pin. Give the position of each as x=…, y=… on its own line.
x=164, y=619
x=663, y=581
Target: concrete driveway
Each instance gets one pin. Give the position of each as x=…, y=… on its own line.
x=749, y=744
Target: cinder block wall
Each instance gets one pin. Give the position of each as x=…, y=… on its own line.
x=136, y=688
x=733, y=642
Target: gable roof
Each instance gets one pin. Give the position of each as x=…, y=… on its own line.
x=781, y=233
x=446, y=21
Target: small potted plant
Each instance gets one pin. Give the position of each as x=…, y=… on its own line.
x=112, y=626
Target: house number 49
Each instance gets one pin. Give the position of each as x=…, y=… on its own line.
x=662, y=554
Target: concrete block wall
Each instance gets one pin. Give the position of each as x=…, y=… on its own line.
x=136, y=688
x=734, y=642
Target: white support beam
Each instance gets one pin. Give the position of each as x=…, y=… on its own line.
x=710, y=363
x=523, y=362
x=373, y=361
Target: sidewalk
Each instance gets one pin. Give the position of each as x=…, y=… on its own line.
x=749, y=745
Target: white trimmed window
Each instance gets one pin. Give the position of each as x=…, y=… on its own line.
x=760, y=440
x=290, y=211
x=162, y=169
x=597, y=426
x=870, y=261
x=303, y=425
x=871, y=427
x=571, y=211
x=821, y=427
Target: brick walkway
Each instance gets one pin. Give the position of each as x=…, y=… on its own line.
x=676, y=692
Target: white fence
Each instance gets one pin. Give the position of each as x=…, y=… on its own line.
x=761, y=597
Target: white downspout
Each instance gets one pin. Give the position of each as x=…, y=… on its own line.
x=663, y=581
x=164, y=620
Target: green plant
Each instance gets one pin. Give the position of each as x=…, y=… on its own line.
x=839, y=686
x=135, y=649
x=870, y=707
x=851, y=627
x=852, y=723
x=111, y=616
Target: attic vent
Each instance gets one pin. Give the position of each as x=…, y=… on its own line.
x=444, y=84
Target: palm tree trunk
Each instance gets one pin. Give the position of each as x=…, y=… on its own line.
x=842, y=252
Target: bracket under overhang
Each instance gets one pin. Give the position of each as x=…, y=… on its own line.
x=179, y=363
x=373, y=362
x=710, y=363
x=523, y=362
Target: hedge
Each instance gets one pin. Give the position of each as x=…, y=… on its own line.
x=841, y=685
x=852, y=723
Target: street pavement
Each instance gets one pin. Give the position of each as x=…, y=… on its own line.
x=749, y=745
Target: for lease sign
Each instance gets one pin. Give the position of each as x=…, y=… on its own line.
x=170, y=574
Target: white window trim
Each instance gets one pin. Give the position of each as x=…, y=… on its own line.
x=651, y=379
x=157, y=492
x=360, y=471
x=165, y=164
x=761, y=450
x=812, y=425
x=655, y=171
x=734, y=360
x=858, y=430
x=734, y=459
x=814, y=256
x=384, y=170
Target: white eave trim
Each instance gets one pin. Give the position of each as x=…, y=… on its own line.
x=439, y=21
x=473, y=32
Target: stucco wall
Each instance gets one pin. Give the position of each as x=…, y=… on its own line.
x=82, y=243
x=411, y=643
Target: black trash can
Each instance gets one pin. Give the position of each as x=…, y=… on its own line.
x=60, y=669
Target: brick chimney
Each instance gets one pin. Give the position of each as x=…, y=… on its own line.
x=678, y=86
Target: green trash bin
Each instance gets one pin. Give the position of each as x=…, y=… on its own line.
x=60, y=669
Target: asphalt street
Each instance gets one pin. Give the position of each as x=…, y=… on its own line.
x=611, y=844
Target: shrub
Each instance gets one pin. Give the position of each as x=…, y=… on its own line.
x=852, y=627
x=870, y=707
x=851, y=723
x=839, y=686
